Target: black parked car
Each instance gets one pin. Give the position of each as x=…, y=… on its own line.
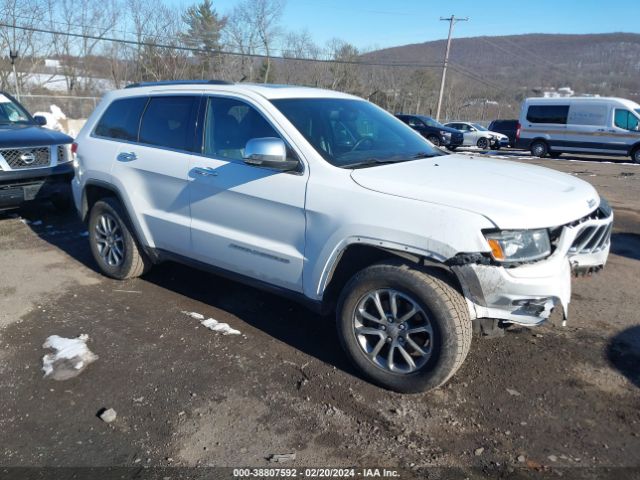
x=506, y=127
x=35, y=163
x=433, y=131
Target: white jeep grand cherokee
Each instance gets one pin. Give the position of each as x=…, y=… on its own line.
x=330, y=200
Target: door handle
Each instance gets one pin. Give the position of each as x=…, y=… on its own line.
x=127, y=156
x=205, y=172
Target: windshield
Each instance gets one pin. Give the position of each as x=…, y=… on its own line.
x=431, y=122
x=354, y=133
x=637, y=111
x=480, y=127
x=12, y=113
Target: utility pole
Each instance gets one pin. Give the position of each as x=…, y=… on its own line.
x=452, y=21
x=13, y=55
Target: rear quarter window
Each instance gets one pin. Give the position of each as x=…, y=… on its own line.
x=121, y=119
x=548, y=114
x=170, y=122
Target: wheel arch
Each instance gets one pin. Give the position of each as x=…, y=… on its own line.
x=539, y=139
x=356, y=256
x=96, y=190
x=635, y=147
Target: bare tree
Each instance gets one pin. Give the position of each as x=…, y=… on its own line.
x=254, y=28
x=29, y=46
x=90, y=21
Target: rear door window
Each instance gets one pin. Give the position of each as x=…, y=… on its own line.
x=591, y=114
x=170, y=122
x=548, y=114
x=121, y=120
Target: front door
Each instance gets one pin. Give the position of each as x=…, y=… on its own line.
x=246, y=219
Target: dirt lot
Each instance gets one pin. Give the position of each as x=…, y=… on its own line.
x=552, y=400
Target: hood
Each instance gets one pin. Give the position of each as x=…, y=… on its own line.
x=15, y=136
x=512, y=195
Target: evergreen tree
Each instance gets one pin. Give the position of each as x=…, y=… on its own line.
x=204, y=30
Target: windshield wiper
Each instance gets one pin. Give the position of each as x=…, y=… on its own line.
x=368, y=163
x=420, y=155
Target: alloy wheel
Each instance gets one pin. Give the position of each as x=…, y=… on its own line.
x=109, y=240
x=393, y=331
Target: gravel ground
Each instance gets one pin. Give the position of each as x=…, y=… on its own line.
x=549, y=400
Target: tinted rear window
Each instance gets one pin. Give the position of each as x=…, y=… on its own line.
x=170, y=122
x=548, y=114
x=121, y=119
x=506, y=124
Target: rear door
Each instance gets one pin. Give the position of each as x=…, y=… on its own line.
x=153, y=173
x=467, y=137
x=587, y=128
x=245, y=218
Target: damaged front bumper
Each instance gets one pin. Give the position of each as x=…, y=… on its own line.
x=526, y=294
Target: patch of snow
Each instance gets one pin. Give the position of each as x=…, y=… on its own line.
x=213, y=325
x=195, y=315
x=70, y=357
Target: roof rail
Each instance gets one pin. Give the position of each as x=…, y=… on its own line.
x=178, y=82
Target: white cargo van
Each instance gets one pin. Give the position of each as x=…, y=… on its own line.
x=598, y=125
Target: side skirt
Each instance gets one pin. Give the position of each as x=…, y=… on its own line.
x=316, y=306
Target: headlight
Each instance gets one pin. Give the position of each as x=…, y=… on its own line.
x=445, y=133
x=519, y=245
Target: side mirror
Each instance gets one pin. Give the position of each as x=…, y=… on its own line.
x=40, y=120
x=268, y=152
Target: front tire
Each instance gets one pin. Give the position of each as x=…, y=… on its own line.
x=483, y=143
x=406, y=329
x=539, y=149
x=113, y=244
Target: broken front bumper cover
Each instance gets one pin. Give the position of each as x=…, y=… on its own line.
x=527, y=294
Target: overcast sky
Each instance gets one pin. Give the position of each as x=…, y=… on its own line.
x=383, y=23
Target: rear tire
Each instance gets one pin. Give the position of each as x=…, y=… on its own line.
x=539, y=149
x=483, y=143
x=113, y=243
x=635, y=155
x=441, y=328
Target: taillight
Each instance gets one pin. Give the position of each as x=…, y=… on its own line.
x=518, y=127
x=74, y=148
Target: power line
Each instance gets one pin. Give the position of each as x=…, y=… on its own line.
x=537, y=57
x=476, y=76
x=457, y=68
x=218, y=52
